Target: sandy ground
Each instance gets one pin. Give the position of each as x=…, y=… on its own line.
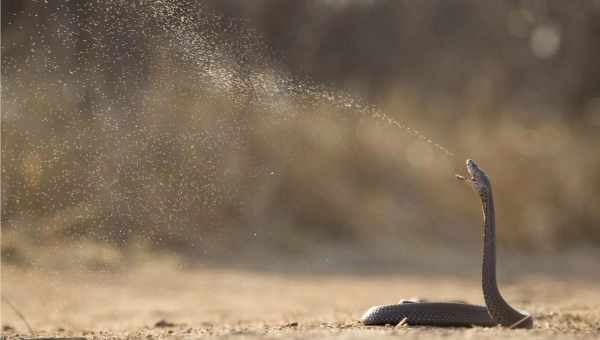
x=239, y=304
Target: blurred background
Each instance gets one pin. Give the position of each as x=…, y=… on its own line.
x=321, y=134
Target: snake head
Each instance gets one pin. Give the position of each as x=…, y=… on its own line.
x=476, y=178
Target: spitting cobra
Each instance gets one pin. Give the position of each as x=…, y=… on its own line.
x=496, y=310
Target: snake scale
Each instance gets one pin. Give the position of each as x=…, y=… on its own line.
x=496, y=310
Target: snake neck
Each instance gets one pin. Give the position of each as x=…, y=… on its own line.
x=497, y=307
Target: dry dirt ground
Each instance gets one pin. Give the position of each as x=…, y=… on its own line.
x=236, y=304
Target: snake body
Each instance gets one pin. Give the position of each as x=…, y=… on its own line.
x=496, y=310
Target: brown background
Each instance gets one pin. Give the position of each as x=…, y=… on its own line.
x=205, y=129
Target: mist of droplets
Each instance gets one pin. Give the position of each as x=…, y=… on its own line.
x=115, y=82
x=222, y=65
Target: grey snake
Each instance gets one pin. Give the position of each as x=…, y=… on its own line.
x=496, y=310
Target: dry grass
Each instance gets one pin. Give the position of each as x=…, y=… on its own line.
x=240, y=304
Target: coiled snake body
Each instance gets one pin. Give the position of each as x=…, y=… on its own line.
x=496, y=310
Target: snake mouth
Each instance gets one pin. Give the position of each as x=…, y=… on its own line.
x=468, y=176
x=471, y=167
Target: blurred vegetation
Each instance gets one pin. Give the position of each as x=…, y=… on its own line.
x=210, y=127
